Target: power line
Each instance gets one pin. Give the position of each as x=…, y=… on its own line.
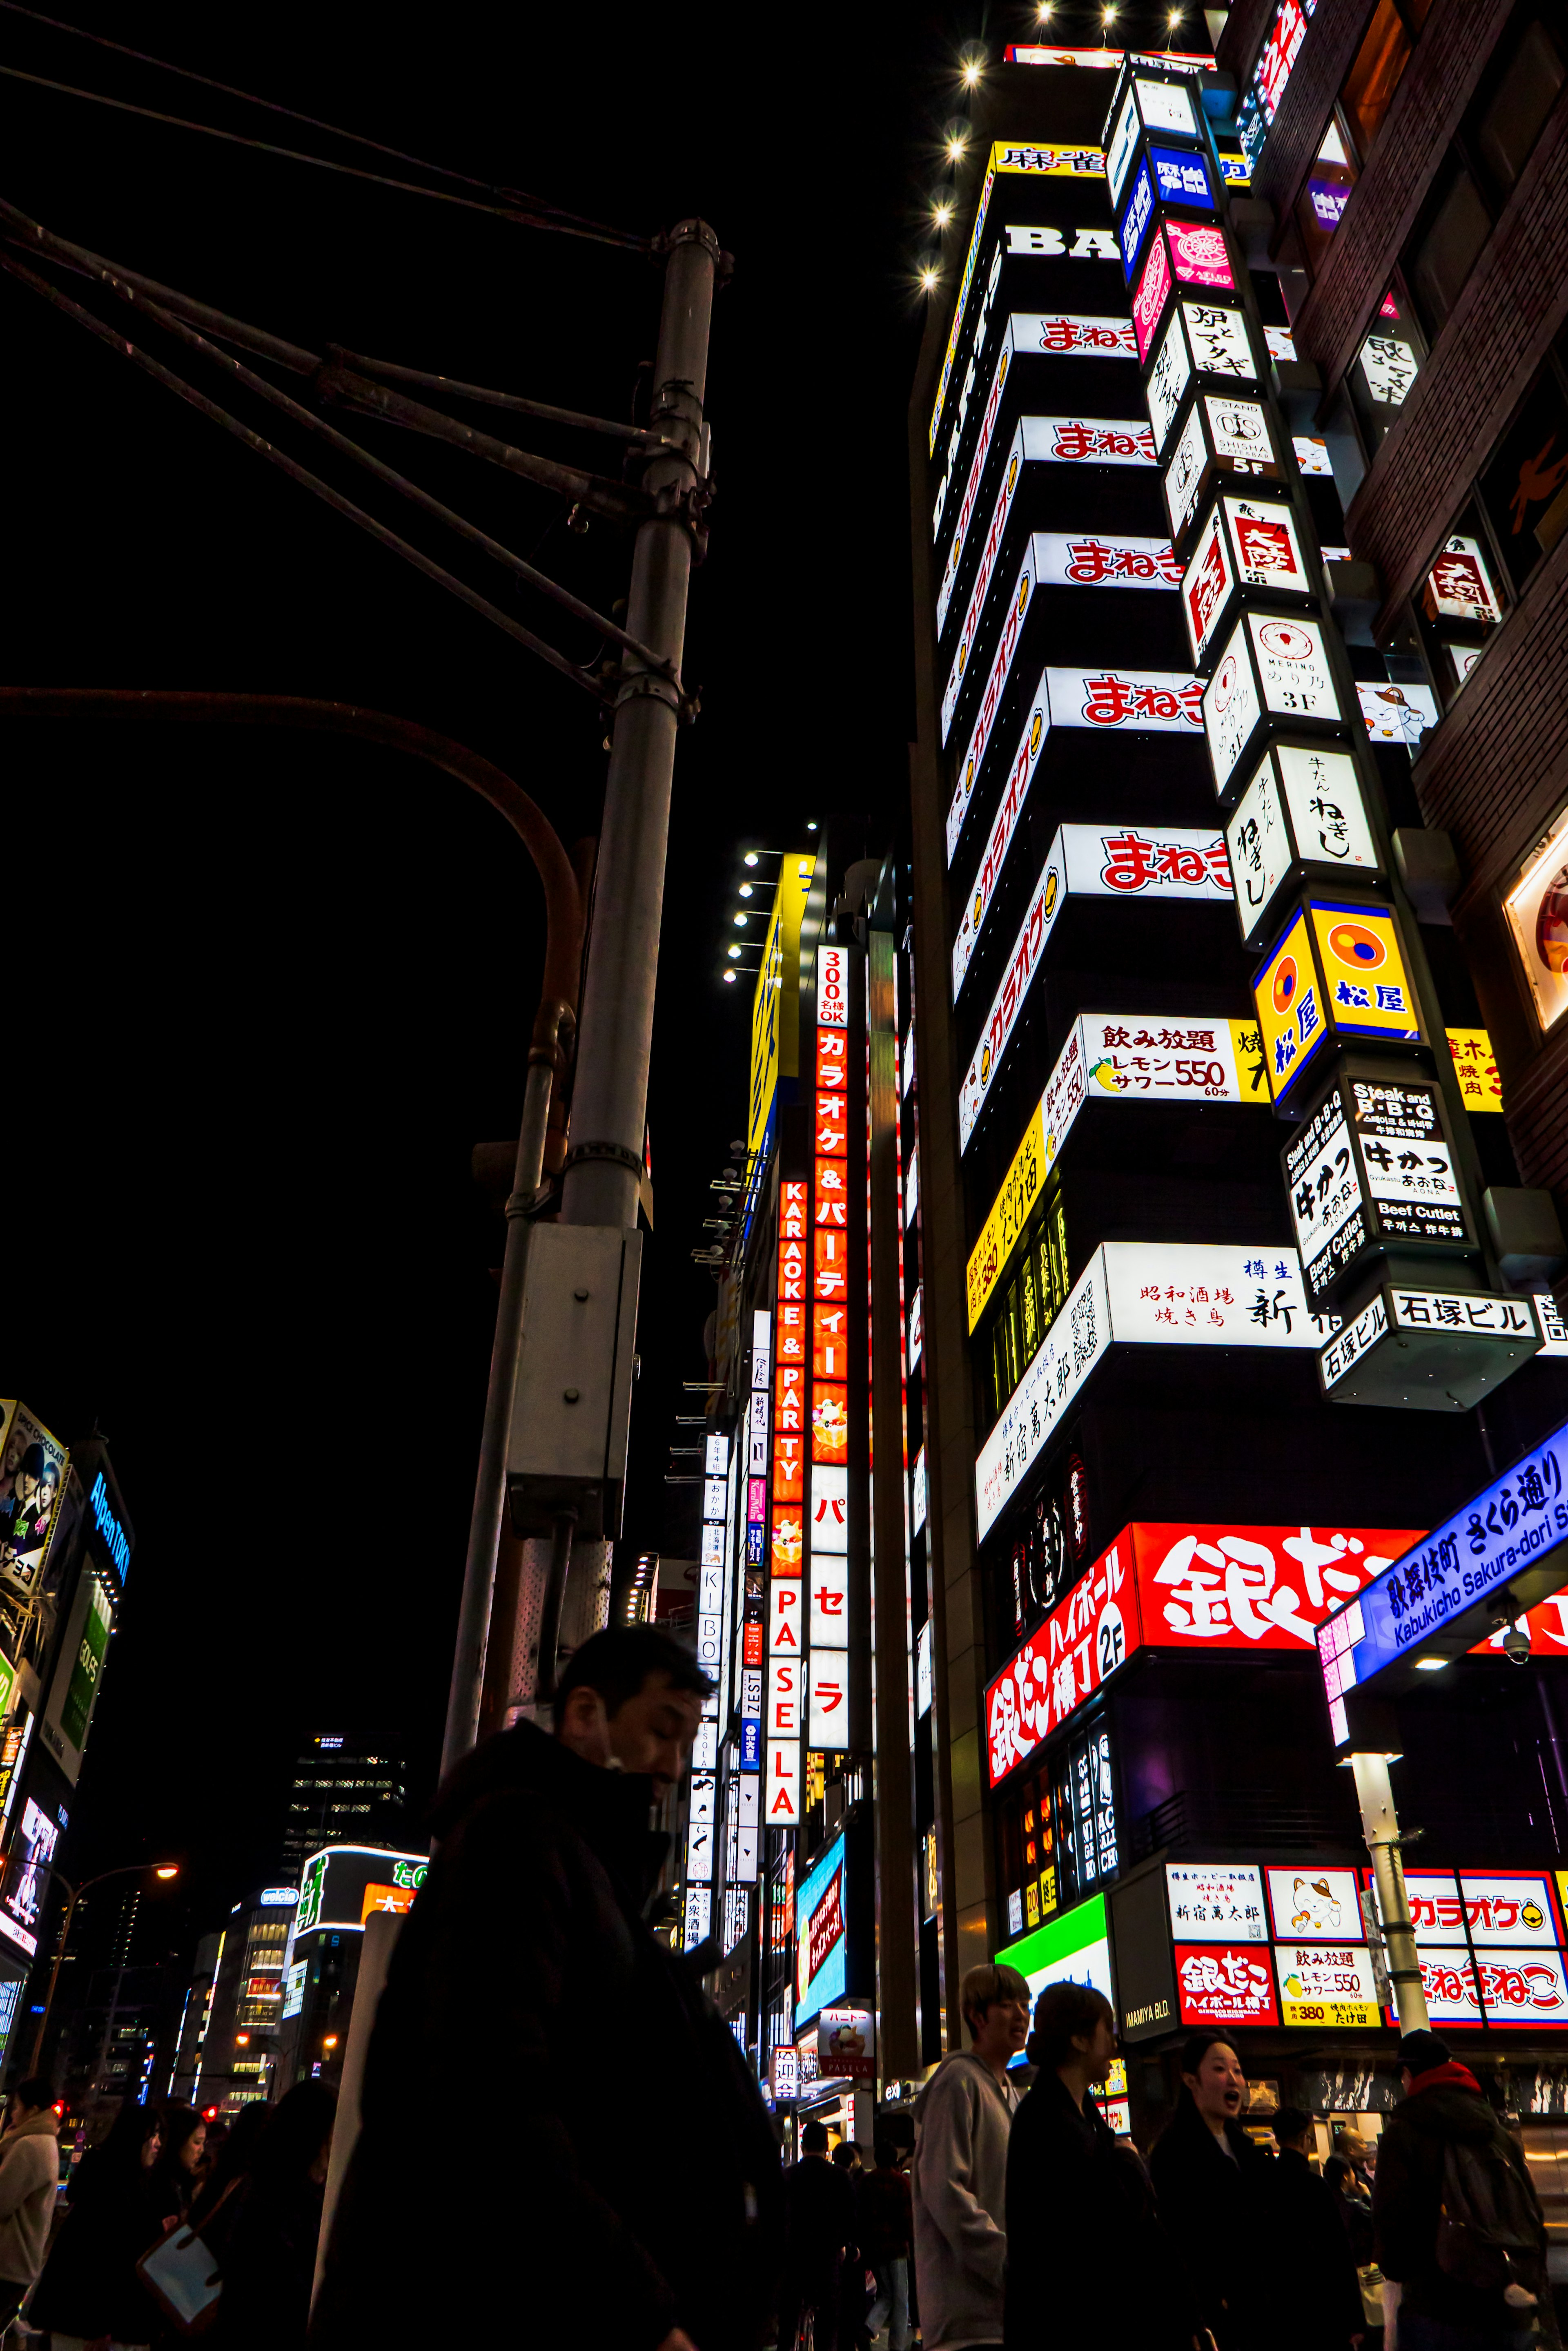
x=620, y=238
x=312, y=122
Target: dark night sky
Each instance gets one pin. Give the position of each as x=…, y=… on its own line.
x=275, y=989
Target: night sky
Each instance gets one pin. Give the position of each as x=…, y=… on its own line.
x=268, y=991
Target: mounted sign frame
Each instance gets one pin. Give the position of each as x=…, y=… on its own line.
x=1370, y=1173
x=1302, y=821
x=1428, y=1350
x=1337, y=972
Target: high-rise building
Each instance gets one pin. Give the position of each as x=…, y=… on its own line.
x=342, y=1793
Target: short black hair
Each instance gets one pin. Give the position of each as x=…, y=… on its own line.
x=1422, y=2050
x=883, y=2155
x=1195, y=2049
x=1062, y=2011
x=617, y=1662
x=34, y=2092
x=813, y=2138
x=1290, y=2124
x=843, y=2155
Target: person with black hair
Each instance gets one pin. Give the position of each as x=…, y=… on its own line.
x=630, y=2198
x=174, y=2175
x=886, y=2220
x=29, y=2176
x=1216, y=2201
x=1317, y=2296
x=268, y=2256
x=819, y=2202
x=1355, y=2205
x=1459, y=2233
x=89, y=2290
x=1071, y=2184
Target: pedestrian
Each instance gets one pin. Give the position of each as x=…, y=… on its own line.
x=819, y=2204
x=29, y=2179
x=89, y=2291
x=962, y=2118
x=886, y=2223
x=1460, y=2235
x=175, y=2174
x=1213, y=2188
x=1316, y=2294
x=1071, y=2185
x=1357, y=2151
x=268, y=2258
x=228, y=2168
x=1355, y=2207
x=630, y=2190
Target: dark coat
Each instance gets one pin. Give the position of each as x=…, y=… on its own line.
x=90, y=2286
x=821, y=2224
x=1221, y=2216
x=1317, y=2298
x=885, y=2216
x=268, y=2260
x=618, y=2176
x=1087, y=2258
x=1406, y=2195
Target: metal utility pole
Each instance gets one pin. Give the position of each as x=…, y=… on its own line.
x=610, y=1099
x=1380, y=1826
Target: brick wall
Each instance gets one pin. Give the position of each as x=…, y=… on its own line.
x=1494, y=340
x=1495, y=777
x=1242, y=37
x=1296, y=132
x=1427, y=106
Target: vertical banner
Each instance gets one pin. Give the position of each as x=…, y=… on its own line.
x=829, y=1717
x=786, y=1628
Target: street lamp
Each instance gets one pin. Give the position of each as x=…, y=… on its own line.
x=161, y=1869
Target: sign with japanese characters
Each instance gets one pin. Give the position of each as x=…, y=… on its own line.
x=1198, y=256
x=1244, y=543
x=1181, y=177
x=1068, y=334
x=1167, y=1057
x=1007, y=646
x=1071, y=1347
x=1215, y=1903
x=1169, y=378
x=1185, y=470
x=1207, y=584
x=1314, y=1906
x=1388, y=368
x=1338, y=968
x=1137, y=214
x=1504, y=1907
x=1475, y=1066
x=1165, y=106
x=1028, y=948
x=1208, y=1294
x=1270, y=665
x=1125, y=701
x=1224, y=1983
x=1372, y=1165
x=828, y=1713
x=1150, y=296
x=1085, y=559
x=1088, y=440
x=1003, y=831
x=1303, y=809
x=1119, y=152
x=1208, y=1587
x=828, y=1583
x=821, y=1936
x=1518, y=1522
x=1526, y=1987
x=1458, y=586
x=1047, y=1131
x=1326, y=1984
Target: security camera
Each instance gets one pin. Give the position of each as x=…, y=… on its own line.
x=1516, y=1644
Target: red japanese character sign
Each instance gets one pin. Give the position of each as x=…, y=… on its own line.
x=1225, y=1983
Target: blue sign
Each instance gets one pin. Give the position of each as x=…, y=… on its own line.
x=109, y=1528
x=1507, y=1529
x=821, y=1929
x=1182, y=177
x=1136, y=220
x=756, y=1545
x=751, y=1745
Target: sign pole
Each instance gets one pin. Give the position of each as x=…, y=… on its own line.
x=1380, y=1826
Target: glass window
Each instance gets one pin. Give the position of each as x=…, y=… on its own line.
x=1525, y=482
x=1509, y=123
x=1448, y=249
x=1325, y=197
x=1370, y=84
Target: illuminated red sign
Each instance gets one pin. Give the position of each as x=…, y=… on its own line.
x=1225, y=1983
x=826, y=1925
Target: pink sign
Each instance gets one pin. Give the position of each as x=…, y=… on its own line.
x=1148, y=302
x=1197, y=254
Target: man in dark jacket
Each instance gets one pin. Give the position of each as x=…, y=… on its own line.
x=1318, y=2296
x=820, y=2203
x=611, y=2181
x=1443, y=2107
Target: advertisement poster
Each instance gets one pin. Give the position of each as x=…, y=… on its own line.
x=1224, y=1983
x=1537, y=912
x=32, y=1477
x=1326, y=1984
x=1322, y=1906
x=847, y=2044
x=1212, y=1902
x=821, y=1936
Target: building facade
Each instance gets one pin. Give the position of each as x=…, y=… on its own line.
x=341, y=1793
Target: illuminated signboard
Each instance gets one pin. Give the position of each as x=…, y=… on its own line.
x=1537, y=912
x=773, y=1025
x=334, y=1882
x=21, y=1891
x=1518, y=1523
x=1373, y=1165
x=1488, y=1943
x=1245, y=543
x=821, y=1937
x=1326, y=1983
x=1314, y=1906
x=1160, y=1293
x=1475, y=1066
x=1073, y=1949
x=1205, y=337
x=1182, y=866
x=1337, y=969
x=32, y=1480
x=1123, y=1057
x=1271, y=667
x=279, y=1897
x=1301, y=817
x=1214, y=1902
x=1188, y=1588
x=1224, y=1984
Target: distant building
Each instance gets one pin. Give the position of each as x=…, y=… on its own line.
x=342, y=1794
x=240, y=2048
x=196, y=2018
x=342, y=1886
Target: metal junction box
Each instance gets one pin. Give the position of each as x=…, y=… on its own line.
x=567, y=1449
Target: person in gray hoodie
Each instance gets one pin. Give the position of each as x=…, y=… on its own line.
x=963, y=2120
x=29, y=2176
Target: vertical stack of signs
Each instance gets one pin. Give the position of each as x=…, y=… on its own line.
x=828, y=1727
x=753, y=1604
x=1371, y=1172
x=786, y=1631
x=713, y=1596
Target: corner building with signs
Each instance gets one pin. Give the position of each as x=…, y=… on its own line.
x=1225, y=1290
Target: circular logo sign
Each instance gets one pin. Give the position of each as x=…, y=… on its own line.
x=1286, y=640
x=1051, y=893
x=1357, y=943
x=1224, y=686
x=1036, y=731
x=1283, y=986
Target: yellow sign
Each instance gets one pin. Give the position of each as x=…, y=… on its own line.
x=1009, y=1214
x=776, y=1028
x=1058, y=162
x=1338, y=969
x=1326, y=1983
x=1475, y=1066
